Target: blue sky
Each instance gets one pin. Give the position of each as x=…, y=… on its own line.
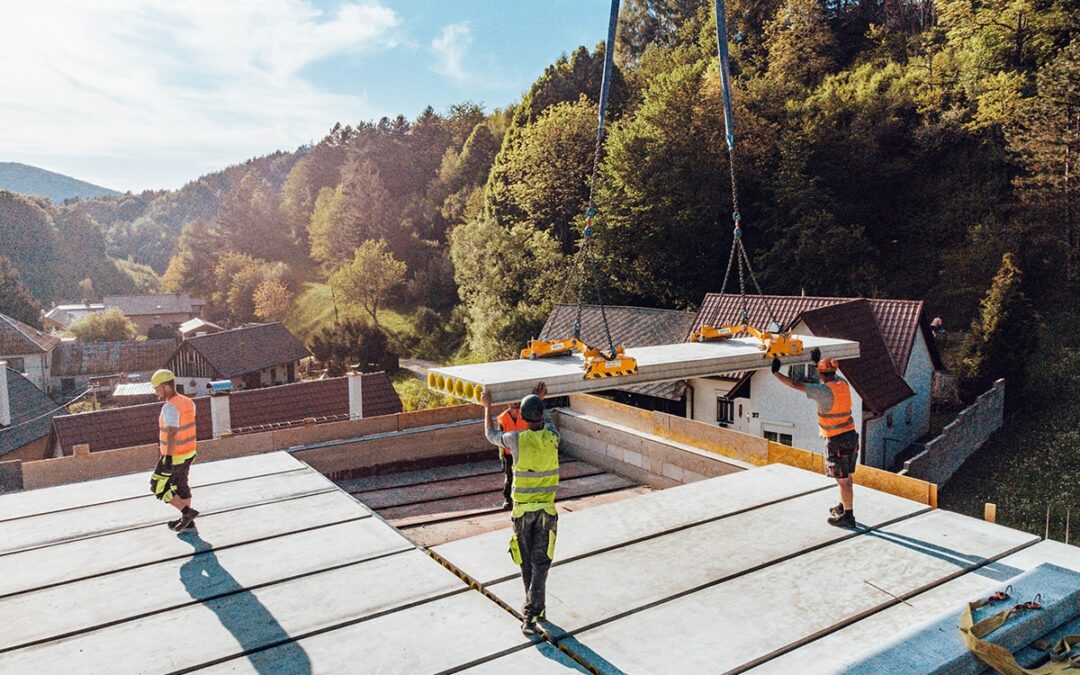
x=136, y=94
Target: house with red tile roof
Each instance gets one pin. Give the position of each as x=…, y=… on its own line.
x=27, y=350
x=892, y=379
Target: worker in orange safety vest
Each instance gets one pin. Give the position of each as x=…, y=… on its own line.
x=177, y=445
x=837, y=426
x=509, y=420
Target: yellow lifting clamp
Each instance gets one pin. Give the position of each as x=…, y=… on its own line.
x=539, y=349
x=597, y=364
x=773, y=344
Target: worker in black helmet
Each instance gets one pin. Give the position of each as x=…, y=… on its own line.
x=535, y=454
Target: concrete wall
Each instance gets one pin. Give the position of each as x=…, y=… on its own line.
x=35, y=367
x=961, y=438
x=640, y=456
x=354, y=445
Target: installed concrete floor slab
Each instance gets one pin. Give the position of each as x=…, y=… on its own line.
x=484, y=557
x=753, y=618
x=71, y=608
x=55, y=527
x=842, y=649
x=510, y=380
x=76, y=495
x=597, y=588
x=38, y=568
x=450, y=633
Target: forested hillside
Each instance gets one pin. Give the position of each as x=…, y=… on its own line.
x=895, y=148
x=30, y=180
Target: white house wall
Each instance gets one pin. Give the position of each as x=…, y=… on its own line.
x=910, y=418
x=920, y=377
x=35, y=368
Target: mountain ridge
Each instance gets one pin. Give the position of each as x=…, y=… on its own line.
x=30, y=180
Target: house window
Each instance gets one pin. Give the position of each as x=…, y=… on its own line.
x=725, y=410
x=803, y=372
x=67, y=385
x=16, y=364
x=775, y=437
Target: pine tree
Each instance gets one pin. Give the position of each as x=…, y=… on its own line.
x=1002, y=338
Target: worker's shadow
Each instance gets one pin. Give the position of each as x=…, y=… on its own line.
x=240, y=612
x=556, y=635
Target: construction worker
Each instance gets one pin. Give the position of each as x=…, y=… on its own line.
x=509, y=420
x=535, y=453
x=837, y=426
x=176, y=440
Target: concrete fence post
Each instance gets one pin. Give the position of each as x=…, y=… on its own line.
x=5, y=404
x=356, y=396
x=220, y=414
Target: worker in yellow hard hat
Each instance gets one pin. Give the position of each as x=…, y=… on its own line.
x=176, y=441
x=837, y=426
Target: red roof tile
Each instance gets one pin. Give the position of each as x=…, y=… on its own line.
x=872, y=374
x=18, y=338
x=72, y=359
x=123, y=427
x=249, y=410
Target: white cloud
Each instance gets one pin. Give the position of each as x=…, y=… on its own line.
x=132, y=84
x=450, y=48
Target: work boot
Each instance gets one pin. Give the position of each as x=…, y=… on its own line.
x=186, y=520
x=173, y=523
x=837, y=510
x=529, y=628
x=845, y=519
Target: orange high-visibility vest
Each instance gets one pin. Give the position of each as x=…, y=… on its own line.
x=507, y=422
x=837, y=420
x=184, y=445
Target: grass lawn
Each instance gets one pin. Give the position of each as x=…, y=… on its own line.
x=313, y=308
x=1034, y=460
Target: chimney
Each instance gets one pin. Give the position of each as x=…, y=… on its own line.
x=356, y=396
x=5, y=403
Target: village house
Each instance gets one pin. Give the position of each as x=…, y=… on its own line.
x=60, y=317
x=167, y=310
x=25, y=417
x=102, y=365
x=256, y=356
x=892, y=380
x=27, y=350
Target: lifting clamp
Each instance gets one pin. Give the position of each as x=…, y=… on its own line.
x=774, y=345
x=598, y=365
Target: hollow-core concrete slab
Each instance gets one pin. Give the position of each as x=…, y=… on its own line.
x=755, y=617
x=46, y=566
x=80, y=606
x=510, y=380
x=75, y=495
x=55, y=527
x=596, y=588
x=484, y=557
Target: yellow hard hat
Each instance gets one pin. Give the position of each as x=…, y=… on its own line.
x=161, y=377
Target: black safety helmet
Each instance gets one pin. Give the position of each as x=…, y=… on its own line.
x=532, y=408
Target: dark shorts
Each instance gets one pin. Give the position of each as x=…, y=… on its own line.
x=180, y=479
x=843, y=453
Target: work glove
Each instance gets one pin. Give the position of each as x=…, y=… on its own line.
x=776, y=365
x=815, y=355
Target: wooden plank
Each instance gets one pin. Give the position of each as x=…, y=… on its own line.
x=510, y=380
x=53, y=528
x=235, y=624
x=74, y=495
x=39, y=567
x=80, y=606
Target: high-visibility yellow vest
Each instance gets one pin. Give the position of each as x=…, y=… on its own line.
x=536, y=472
x=837, y=420
x=184, y=445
